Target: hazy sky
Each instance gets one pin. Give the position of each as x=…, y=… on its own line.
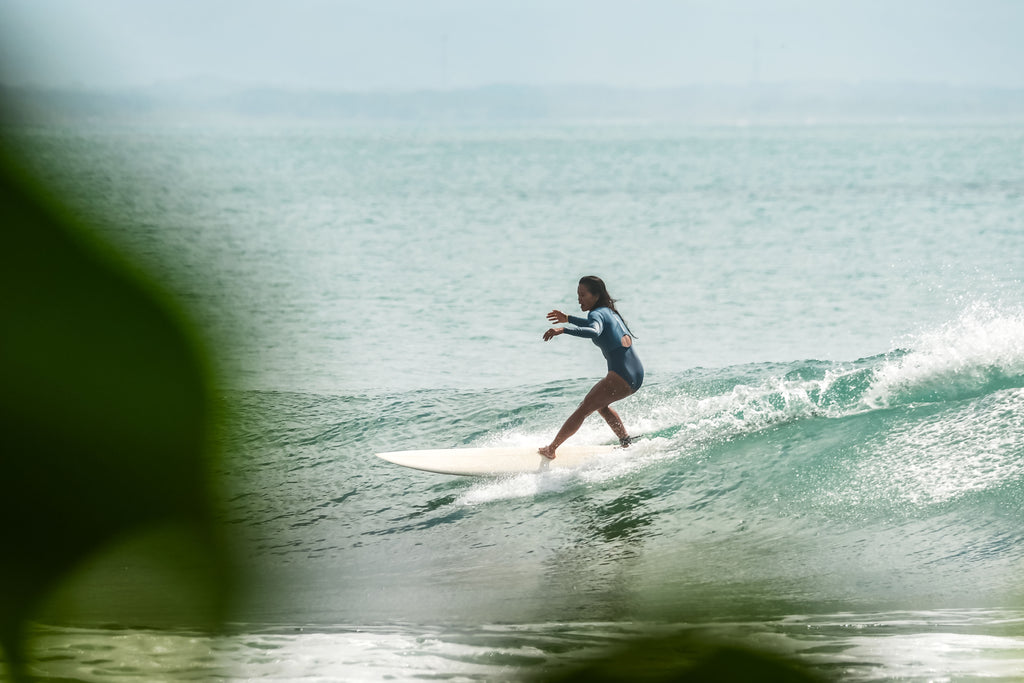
x=394, y=44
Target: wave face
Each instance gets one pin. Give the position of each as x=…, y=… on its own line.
x=885, y=483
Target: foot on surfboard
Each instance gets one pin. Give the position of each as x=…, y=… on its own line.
x=547, y=451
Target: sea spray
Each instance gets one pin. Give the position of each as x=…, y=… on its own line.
x=979, y=352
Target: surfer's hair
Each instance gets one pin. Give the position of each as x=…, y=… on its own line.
x=596, y=286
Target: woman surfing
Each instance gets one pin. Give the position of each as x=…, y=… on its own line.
x=606, y=328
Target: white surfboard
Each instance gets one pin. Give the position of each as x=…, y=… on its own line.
x=480, y=462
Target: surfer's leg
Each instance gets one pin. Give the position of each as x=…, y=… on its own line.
x=615, y=422
x=610, y=389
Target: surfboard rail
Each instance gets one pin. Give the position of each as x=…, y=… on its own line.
x=482, y=462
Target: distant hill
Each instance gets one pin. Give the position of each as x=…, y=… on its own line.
x=795, y=103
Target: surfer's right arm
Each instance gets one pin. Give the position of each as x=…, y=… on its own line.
x=558, y=317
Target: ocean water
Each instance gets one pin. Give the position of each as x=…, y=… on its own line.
x=832, y=456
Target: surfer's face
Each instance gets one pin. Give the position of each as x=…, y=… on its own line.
x=586, y=298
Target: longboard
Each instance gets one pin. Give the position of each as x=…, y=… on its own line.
x=479, y=462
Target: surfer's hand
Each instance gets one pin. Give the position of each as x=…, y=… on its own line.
x=552, y=333
x=558, y=317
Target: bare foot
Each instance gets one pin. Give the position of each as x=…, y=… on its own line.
x=547, y=451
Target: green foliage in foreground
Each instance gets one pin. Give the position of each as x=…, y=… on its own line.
x=105, y=433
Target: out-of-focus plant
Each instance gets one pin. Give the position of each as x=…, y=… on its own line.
x=106, y=435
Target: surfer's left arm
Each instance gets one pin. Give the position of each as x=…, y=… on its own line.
x=553, y=332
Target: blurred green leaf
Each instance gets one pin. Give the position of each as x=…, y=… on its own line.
x=105, y=421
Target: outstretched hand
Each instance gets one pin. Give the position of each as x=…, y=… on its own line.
x=555, y=317
x=553, y=332
x=558, y=317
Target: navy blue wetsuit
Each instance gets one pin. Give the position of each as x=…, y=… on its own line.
x=607, y=330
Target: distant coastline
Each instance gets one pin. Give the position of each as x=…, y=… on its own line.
x=698, y=104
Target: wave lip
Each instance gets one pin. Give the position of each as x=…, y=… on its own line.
x=979, y=353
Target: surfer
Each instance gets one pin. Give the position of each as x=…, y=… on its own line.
x=605, y=326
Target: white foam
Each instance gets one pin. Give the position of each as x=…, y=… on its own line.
x=983, y=344
x=527, y=485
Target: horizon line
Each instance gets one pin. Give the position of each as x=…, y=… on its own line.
x=236, y=85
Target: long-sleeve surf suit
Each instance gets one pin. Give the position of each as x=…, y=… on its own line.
x=608, y=331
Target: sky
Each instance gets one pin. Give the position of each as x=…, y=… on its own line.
x=369, y=45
